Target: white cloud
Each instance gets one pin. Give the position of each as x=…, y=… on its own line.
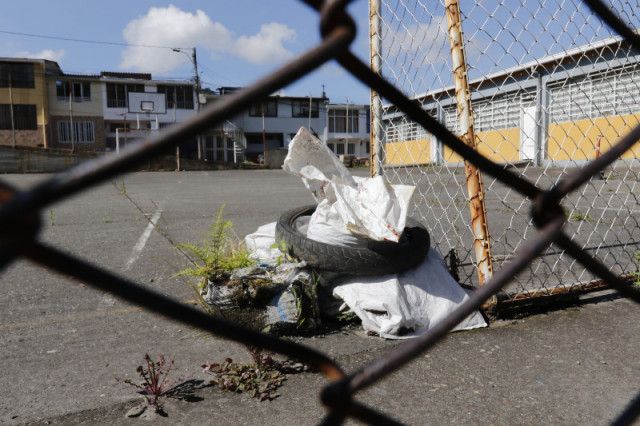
x=44, y=54
x=422, y=43
x=267, y=45
x=171, y=26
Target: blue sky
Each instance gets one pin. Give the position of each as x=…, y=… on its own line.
x=240, y=41
x=237, y=41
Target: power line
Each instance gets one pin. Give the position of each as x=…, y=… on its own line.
x=92, y=41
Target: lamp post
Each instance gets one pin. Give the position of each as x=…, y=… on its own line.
x=194, y=59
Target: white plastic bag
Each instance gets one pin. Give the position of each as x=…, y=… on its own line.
x=261, y=243
x=369, y=207
x=414, y=300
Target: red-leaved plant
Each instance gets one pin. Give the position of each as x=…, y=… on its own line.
x=156, y=382
x=260, y=379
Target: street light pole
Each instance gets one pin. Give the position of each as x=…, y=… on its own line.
x=194, y=59
x=195, y=65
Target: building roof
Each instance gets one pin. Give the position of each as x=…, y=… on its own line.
x=546, y=62
x=129, y=75
x=51, y=67
x=65, y=76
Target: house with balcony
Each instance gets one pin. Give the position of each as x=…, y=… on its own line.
x=24, y=104
x=76, y=112
x=136, y=107
x=349, y=129
x=267, y=127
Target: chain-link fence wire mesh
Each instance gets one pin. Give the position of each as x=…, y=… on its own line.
x=20, y=211
x=552, y=86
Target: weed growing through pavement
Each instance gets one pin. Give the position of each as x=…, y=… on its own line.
x=636, y=273
x=260, y=378
x=578, y=216
x=219, y=253
x=155, y=381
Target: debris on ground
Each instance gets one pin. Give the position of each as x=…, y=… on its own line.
x=355, y=219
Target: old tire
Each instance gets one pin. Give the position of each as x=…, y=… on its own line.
x=379, y=257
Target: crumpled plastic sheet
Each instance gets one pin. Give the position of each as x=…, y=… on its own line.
x=349, y=207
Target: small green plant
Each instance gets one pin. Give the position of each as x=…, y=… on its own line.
x=348, y=317
x=636, y=273
x=307, y=309
x=282, y=246
x=579, y=217
x=155, y=381
x=260, y=378
x=219, y=253
x=51, y=217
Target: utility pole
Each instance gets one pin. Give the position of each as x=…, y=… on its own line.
x=310, y=104
x=346, y=143
x=264, y=140
x=13, y=126
x=195, y=65
x=194, y=59
x=73, y=147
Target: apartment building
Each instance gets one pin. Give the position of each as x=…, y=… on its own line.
x=24, y=104
x=349, y=129
x=268, y=125
x=41, y=106
x=136, y=107
x=76, y=112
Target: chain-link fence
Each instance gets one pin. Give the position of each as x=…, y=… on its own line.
x=551, y=87
x=20, y=210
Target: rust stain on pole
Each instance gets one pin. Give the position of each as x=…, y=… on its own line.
x=375, y=146
x=481, y=245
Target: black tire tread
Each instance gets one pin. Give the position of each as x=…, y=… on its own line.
x=378, y=258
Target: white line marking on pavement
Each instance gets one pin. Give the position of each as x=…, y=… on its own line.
x=137, y=249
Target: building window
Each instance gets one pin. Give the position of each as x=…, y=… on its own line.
x=270, y=107
x=300, y=108
x=81, y=91
x=25, y=117
x=353, y=121
x=351, y=149
x=17, y=74
x=332, y=147
x=402, y=130
x=80, y=131
x=368, y=121
x=338, y=121
x=117, y=94
x=340, y=148
x=180, y=97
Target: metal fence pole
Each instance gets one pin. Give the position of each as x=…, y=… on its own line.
x=482, y=246
x=376, y=147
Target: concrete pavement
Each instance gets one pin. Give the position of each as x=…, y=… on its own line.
x=62, y=343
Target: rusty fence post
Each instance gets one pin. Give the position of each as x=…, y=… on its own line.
x=375, y=145
x=481, y=244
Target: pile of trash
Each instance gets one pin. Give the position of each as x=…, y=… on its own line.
x=356, y=252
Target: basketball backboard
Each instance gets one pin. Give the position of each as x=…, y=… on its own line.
x=147, y=103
